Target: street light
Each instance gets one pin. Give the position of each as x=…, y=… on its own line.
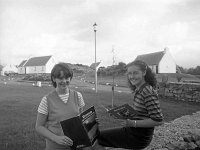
x=95, y=30
x=113, y=78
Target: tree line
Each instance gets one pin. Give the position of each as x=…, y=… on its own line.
x=193, y=71
x=120, y=69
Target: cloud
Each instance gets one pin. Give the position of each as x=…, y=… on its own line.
x=65, y=29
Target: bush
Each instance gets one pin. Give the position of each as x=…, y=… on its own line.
x=37, y=77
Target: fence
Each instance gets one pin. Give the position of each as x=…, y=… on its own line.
x=180, y=91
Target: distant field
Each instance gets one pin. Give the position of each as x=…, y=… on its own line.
x=122, y=80
x=18, y=109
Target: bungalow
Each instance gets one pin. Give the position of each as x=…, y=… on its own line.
x=34, y=65
x=93, y=66
x=159, y=62
x=9, y=69
x=1, y=68
x=21, y=68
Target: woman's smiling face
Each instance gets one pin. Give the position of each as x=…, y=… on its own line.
x=135, y=75
x=62, y=83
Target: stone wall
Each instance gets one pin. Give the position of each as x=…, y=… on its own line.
x=180, y=91
x=181, y=134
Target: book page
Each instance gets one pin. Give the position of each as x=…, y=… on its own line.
x=123, y=112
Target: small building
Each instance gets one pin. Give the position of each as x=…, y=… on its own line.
x=159, y=62
x=1, y=68
x=9, y=69
x=21, y=68
x=93, y=66
x=34, y=65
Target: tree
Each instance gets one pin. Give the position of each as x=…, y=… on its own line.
x=101, y=71
x=121, y=68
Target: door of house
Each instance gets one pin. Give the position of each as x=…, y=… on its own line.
x=156, y=68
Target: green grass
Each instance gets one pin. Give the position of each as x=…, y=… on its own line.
x=18, y=109
x=122, y=80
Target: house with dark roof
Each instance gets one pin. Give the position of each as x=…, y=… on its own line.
x=94, y=65
x=21, y=68
x=34, y=65
x=1, y=68
x=159, y=62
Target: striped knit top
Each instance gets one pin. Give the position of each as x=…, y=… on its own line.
x=43, y=107
x=146, y=102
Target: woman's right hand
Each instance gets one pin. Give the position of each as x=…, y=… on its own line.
x=63, y=140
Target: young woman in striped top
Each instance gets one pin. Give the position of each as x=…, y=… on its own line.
x=60, y=104
x=137, y=133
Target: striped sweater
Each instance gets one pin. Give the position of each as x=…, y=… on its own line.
x=147, y=104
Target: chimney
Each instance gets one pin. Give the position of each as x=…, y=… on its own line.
x=166, y=49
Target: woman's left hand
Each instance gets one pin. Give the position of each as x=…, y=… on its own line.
x=127, y=123
x=97, y=120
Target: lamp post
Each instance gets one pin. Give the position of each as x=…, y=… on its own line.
x=95, y=30
x=113, y=79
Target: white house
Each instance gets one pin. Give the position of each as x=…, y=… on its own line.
x=21, y=68
x=9, y=68
x=1, y=68
x=159, y=62
x=34, y=65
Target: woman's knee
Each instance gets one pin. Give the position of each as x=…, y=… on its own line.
x=87, y=148
x=97, y=146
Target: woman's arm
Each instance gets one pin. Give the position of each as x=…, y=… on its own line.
x=147, y=123
x=81, y=102
x=42, y=130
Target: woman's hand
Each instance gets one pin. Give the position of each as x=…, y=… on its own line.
x=127, y=123
x=63, y=140
x=97, y=120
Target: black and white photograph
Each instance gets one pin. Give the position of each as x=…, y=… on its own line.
x=58, y=58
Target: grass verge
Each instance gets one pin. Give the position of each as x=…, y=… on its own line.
x=18, y=109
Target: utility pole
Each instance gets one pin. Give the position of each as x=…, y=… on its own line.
x=113, y=77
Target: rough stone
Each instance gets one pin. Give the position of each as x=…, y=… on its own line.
x=175, y=131
x=198, y=143
x=191, y=146
x=187, y=138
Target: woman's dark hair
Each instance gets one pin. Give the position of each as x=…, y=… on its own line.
x=56, y=72
x=149, y=76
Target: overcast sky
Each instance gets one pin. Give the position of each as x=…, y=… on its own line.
x=64, y=29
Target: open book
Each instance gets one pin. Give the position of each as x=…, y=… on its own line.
x=83, y=129
x=124, y=112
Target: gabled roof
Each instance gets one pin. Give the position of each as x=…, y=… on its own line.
x=151, y=58
x=22, y=63
x=37, y=61
x=94, y=65
x=1, y=67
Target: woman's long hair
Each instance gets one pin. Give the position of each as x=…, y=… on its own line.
x=149, y=76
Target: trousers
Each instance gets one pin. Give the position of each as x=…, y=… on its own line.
x=126, y=137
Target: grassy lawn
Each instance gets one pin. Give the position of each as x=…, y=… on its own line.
x=18, y=109
x=122, y=79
